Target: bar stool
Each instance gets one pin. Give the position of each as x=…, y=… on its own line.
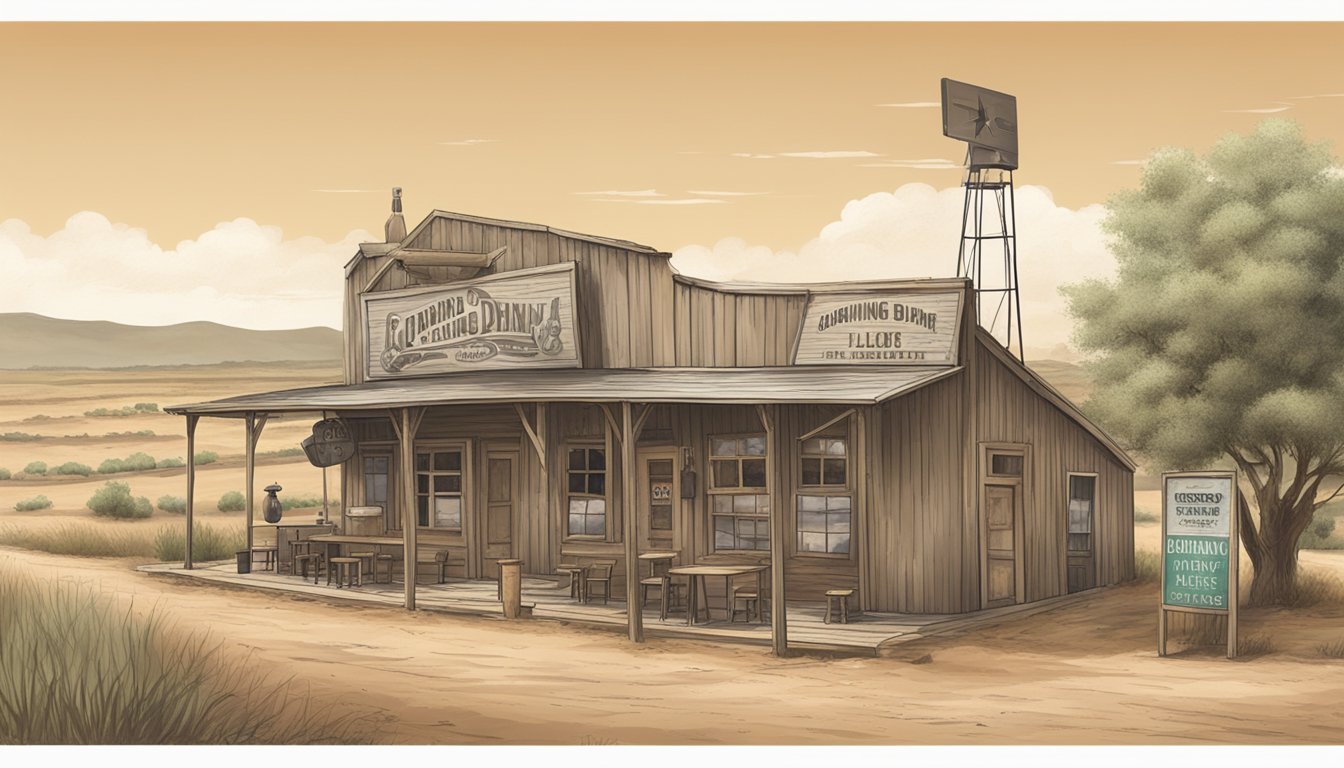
x=840, y=599
x=302, y=561
x=381, y=558
x=575, y=572
x=297, y=549
x=347, y=570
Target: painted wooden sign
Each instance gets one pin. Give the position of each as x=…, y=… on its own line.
x=1199, y=546
x=880, y=328
x=519, y=319
x=330, y=444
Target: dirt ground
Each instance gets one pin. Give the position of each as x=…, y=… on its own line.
x=1081, y=674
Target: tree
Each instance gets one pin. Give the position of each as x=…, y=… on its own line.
x=1222, y=333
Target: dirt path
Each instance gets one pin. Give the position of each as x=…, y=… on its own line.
x=1086, y=673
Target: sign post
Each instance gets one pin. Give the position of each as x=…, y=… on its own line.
x=1200, y=549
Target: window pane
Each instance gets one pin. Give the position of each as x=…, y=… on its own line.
x=376, y=492
x=597, y=458
x=835, y=447
x=442, y=483
x=753, y=473
x=1082, y=487
x=812, y=542
x=811, y=471
x=447, y=512
x=837, y=522
x=753, y=446
x=597, y=507
x=814, y=446
x=578, y=482
x=840, y=544
x=578, y=506
x=723, y=505
x=576, y=458
x=422, y=510
x=422, y=483
x=448, y=461
x=814, y=522
x=723, y=447
x=835, y=472
x=762, y=505
x=1005, y=464
x=1080, y=542
x=660, y=517
x=576, y=525
x=1080, y=516
x=597, y=483
x=762, y=534
x=422, y=462
x=811, y=503
x=834, y=503
x=725, y=474
x=723, y=540
x=744, y=505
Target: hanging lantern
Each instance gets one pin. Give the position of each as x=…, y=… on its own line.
x=270, y=506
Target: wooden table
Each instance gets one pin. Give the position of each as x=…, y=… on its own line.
x=727, y=572
x=281, y=538
x=335, y=540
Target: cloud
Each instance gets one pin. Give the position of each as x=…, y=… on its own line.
x=752, y=155
x=679, y=201
x=1320, y=96
x=467, y=142
x=720, y=193
x=912, y=104
x=625, y=193
x=914, y=232
x=340, y=191
x=239, y=273
x=932, y=163
x=831, y=154
x=1263, y=110
x=1128, y=162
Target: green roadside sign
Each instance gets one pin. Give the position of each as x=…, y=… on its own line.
x=1199, y=547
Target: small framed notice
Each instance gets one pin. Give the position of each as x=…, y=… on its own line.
x=1200, y=551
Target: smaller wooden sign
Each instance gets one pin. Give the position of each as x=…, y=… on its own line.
x=1200, y=552
x=900, y=327
x=330, y=444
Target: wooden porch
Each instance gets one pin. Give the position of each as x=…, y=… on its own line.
x=865, y=634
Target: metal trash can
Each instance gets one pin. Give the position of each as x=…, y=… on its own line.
x=244, y=561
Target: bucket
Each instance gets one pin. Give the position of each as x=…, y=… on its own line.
x=244, y=561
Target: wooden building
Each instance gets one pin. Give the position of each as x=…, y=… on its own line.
x=519, y=391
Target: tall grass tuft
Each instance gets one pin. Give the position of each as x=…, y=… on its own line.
x=1317, y=588
x=81, y=540
x=208, y=543
x=1333, y=649
x=76, y=669
x=1147, y=565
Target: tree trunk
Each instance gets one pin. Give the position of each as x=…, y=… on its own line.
x=1275, y=551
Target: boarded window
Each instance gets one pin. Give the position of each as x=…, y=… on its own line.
x=1082, y=508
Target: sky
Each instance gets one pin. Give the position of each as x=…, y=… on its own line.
x=157, y=173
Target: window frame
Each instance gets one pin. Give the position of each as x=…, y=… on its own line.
x=712, y=491
x=824, y=490
x=605, y=496
x=463, y=493
x=1068, y=499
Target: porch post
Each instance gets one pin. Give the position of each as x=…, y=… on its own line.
x=629, y=479
x=779, y=627
x=249, y=471
x=408, y=518
x=191, y=486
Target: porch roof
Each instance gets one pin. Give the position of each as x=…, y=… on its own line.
x=804, y=384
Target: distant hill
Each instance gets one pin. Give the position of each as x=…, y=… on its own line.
x=28, y=340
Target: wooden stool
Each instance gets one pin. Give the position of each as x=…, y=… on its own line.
x=366, y=560
x=301, y=565
x=268, y=553
x=575, y=572
x=443, y=561
x=840, y=599
x=382, y=559
x=749, y=598
x=297, y=549
x=347, y=570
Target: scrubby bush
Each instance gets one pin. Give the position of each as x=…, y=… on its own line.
x=73, y=468
x=136, y=462
x=112, y=412
x=20, y=437
x=115, y=500
x=283, y=452
x=33, y=504
x=41, y=417
x=1320, y=534
x=174, y=504
x=301, y=502
x=147, y=407
x=4, y=474
x=167, y=463
x=232, y=501
x=1323, y=527
x=204, y=457
x=35, y=468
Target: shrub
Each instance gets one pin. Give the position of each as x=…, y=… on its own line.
x=166, y=463
x=4, y=474
x=1146, y=516
x=147, y=407
x=111, y=412
x=282, y=452
x=33, y=504
x=175, y=504
x=232, y=501
x=1319, y=534
x=1147, y=565
x=136, y=462
x=76, y=667
x=207, y=543
x=1323, y=527
x=81, y=540
x=301, y=502
x=73, y=468
x=20, y=437
x=35, y=468
x=40, y=417
x=115, y=500
x=204, y=457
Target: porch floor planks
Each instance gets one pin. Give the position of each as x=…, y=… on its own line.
x=865, y=634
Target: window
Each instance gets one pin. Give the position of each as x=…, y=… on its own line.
x=438, y=489
x=1005, y=464
x=739, y=502
x=587, y=492
x=825, y=462
x=824, y=518
x=375, y=481
x=1082, y=506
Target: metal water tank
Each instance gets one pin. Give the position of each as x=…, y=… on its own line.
x=364, y=521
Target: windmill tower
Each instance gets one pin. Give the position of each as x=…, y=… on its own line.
x=987, y=121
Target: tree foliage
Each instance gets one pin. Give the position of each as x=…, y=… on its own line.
x=1220, y=335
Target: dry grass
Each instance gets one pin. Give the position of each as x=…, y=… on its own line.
x=74, y=669
x=1333, y=649
x=166, y=543
x=1255, y=645
x=1315, y=588
x=1147, y=566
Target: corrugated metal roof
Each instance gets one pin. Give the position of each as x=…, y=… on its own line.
x=838, y=385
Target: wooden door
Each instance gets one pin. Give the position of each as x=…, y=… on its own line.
x=501, y=510
x=660, y=500
x=1003, y=513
